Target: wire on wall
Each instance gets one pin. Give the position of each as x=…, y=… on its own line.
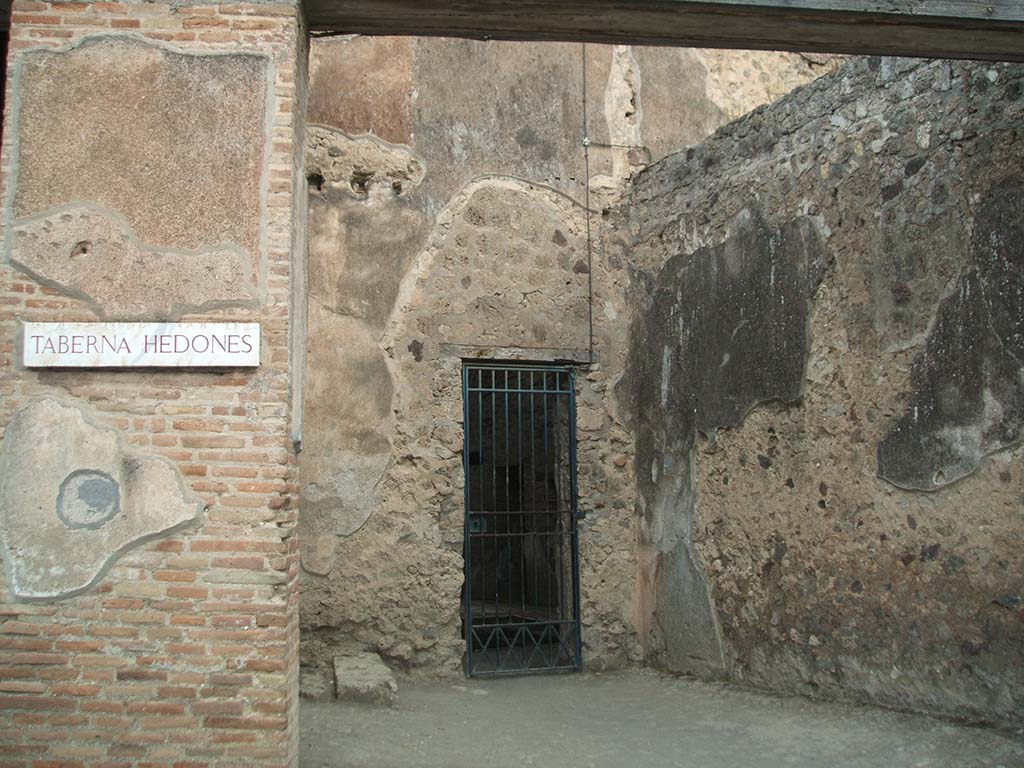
x=590, y=243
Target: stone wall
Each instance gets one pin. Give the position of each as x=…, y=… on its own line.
x=825, y=388
x=148, y=611
x=448, y=190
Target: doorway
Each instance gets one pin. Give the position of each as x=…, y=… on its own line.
x=521, y=596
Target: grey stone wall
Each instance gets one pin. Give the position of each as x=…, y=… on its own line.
x=448, y=188
x=825, y=388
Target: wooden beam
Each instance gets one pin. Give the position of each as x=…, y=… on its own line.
x=956, y=29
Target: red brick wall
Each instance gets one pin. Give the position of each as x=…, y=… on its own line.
x=185, y=654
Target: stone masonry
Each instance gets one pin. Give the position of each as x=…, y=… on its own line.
x=799, y=428
x=448, y=220
x=824, y=385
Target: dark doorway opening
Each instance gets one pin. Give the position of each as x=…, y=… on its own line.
x=521, y=594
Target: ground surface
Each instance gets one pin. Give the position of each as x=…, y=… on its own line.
x=632, y=719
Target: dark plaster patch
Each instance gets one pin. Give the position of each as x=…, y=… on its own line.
x=968, y=384
x=88, y=498
x=730, y=326
x=719, y=331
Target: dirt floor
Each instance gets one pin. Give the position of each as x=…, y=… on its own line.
x=632, y=719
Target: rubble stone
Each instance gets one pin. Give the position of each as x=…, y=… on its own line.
x=364, y=678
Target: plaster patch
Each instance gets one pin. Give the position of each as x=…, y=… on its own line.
x=344, y=458
x=93, y=254
x=623, y=114
x=968, y=398
x=733, y=322
x=365, y=166
x=176, y=143
x=338, y=504
x=377, y=77
x=75, y=500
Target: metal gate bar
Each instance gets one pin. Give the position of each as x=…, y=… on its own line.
x=521, y=596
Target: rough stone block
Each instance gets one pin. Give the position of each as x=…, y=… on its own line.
x=364, y=678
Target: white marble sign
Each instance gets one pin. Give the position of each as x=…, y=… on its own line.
x=141, y=345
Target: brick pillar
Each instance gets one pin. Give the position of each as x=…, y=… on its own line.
x=149, y=173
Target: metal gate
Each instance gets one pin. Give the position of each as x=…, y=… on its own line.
x=521, y=611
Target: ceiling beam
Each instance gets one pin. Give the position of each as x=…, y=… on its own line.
x=959, y=29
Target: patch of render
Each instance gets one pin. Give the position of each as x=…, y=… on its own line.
x=364, y=165
x=761, y=77
x=622, y=108
x=478, y=109
x=826, y=579
x=623, y=114
x=647, y=119
x=132, y=99
x=345, y=456
x=377, y=77
x=364, y=230
x=968, y=399
x=688, y=93
x=120, y=277
x=731, y=323
x=363, y=234
x=75, y=500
